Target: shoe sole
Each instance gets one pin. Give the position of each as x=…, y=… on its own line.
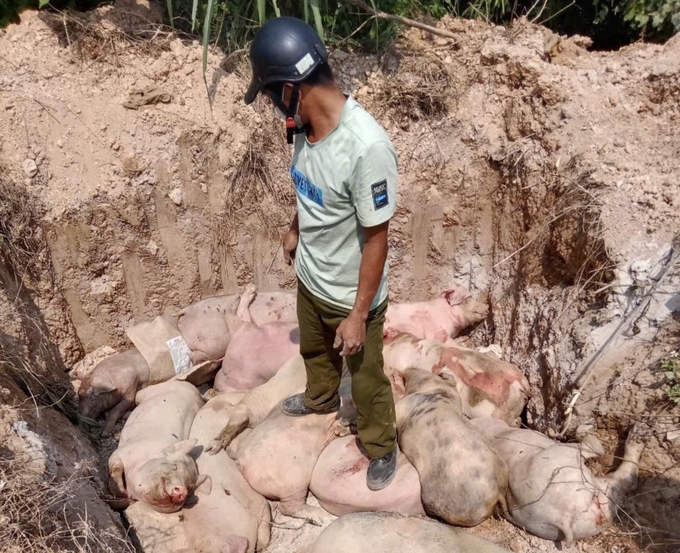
x=307, y=413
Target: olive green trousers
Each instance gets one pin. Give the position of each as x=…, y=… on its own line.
x=371, y=390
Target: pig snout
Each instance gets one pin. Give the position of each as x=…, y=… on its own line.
x=178, y=494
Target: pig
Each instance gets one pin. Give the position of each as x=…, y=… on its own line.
x=238, y=518
x=204, y=324
x=258, y=402
x=552, y=493
x=277, y=457
x=438, y=319
x=255, y=352
x=463, y=480
x=208, y=326
x=112, y=386
x=339, y=482
x=488, y=387
x=153, y=462
x=389, y=532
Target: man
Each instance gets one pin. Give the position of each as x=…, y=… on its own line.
x=345, y=173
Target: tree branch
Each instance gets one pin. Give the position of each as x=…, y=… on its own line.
x=403, y=20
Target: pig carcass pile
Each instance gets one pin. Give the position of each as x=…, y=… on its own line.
x=196, y=472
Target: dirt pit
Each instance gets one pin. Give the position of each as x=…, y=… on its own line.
x=531, y=169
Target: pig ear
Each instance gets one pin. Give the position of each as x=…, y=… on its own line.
x=389, y=333
x=203, y=484
x=456, y=296
x=447, y=374
x=180, y=449
x=398, y=385
x=100, y=387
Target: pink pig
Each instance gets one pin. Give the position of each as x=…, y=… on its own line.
x=552, y=493
x=153, y=462
x=339, y=482
x=255, y=352
x=438, y=319
x=488, y=387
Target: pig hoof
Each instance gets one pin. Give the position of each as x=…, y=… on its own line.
x=214, y=447
x=341, y=428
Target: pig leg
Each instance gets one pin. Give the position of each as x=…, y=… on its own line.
x=264, y=530
x=238, y=422
x=117, y=476
x=625, y=478
x=116, y=412
x=589, y=444
x=296, y=507
x=242, y=311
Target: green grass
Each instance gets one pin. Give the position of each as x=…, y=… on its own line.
x=671, y=372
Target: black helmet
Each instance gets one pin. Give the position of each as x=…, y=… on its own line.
x=284, y=50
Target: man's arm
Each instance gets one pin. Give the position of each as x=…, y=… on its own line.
x=290, y=240
x=371, y=269
x=352, y=331
x=294, y=224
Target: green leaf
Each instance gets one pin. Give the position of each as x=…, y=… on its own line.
x=277, y=11
x=260, y=11
x=206, y=34
x=317, y=18
x=306, y=6
x=670, y=375
x=194, y=9
x=172, y=19
x=43, y=3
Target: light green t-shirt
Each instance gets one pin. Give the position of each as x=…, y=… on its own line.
x=344, y=181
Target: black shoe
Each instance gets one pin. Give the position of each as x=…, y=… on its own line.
x=381, y=471
x=295, y=406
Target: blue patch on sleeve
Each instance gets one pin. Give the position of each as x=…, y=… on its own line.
x=379, y=192
x=305, y=187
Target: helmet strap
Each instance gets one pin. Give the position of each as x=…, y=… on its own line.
x=294, y=124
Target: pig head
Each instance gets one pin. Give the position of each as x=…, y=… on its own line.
x=166, y=482
x=112, y=386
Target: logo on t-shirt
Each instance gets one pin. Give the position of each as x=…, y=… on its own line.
x=305, y=187
x=379, y=191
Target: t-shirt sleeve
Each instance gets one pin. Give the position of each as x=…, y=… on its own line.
x=374, y=184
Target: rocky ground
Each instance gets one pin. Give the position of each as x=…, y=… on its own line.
x=531, y=169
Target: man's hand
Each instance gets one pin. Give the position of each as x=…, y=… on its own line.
x=351, y=334
x=290, y=242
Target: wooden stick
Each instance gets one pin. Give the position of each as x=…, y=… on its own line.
x=403, y=20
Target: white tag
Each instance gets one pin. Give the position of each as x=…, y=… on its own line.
x=304, y=64
x=180, y=354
